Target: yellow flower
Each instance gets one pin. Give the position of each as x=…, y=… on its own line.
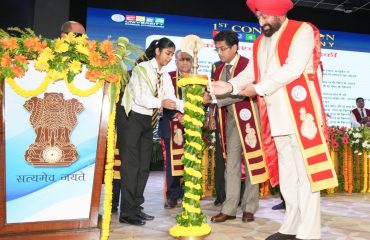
x=54, y=75
x=192, y=196
x=192, y=157
x=69, y=38
x=194, y=98
x=196, y=145
x=194, y=108
x=75, y=66
x=192, y=133
x=82, y=49
x=192, y=185
x=192, y=81
x=190, y=208
x=81, y=40
x=41, y=64
x=61, y=46
x=194, y=121
x=47, y=54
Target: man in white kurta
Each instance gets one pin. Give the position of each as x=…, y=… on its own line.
x=302, y=216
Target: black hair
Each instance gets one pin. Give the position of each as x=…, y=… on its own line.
x=359, y=98
x=230, y=37
x=162, y=43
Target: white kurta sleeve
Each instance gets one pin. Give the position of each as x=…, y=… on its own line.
x=299, y=54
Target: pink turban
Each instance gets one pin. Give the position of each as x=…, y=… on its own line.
x=270, y=7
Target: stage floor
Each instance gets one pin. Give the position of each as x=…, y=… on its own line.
x=344, y=216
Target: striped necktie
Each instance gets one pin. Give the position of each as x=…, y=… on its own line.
x=227, y=73
x=156, y=110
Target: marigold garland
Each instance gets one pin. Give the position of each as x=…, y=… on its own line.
x=365, y=172
x=85, y=92
x=349, y=168
x=191, y=221
x=28, y=93
x=368, y=172
x=192, y=81
x=108, y=177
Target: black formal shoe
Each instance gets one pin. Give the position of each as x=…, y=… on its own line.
x=218, y=202
x=280, y=236
x=279, y=206
x=131, y=220
x=144, y=216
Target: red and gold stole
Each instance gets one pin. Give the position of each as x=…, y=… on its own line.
x=248, y=127
x=304, y=112
x=177, y=136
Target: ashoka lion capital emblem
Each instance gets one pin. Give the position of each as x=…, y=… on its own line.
x=53, y=119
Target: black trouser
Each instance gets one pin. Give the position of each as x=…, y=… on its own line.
x=219, y=170
x=135, y=142
x=116, y=193
x=174, y=189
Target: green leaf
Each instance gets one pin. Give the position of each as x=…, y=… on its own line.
x=112, y=96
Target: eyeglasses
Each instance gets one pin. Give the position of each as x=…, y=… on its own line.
x=184, y=59
x=78, y=34
x=221, y=49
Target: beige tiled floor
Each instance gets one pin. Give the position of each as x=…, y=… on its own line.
x=344, y=216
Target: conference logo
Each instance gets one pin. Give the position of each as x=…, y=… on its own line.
x=144, y=21
x=299, y=93
x=118, y=18
x=245, y=114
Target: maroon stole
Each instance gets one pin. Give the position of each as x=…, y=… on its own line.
x=304, y=113
x=177, y=136
x=116, y=164
x=248, y=128
x=357, y=114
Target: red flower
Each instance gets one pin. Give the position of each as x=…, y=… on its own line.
x=335, y=145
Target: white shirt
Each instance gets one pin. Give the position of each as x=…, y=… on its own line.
x=232, y=63
x=143, y=100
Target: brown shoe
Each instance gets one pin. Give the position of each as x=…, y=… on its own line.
x=221, y=218
x=248, y=217
x=170, y=203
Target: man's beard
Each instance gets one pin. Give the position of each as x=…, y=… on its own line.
x=268, y=29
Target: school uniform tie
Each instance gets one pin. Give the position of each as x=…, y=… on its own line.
x=156, y=110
